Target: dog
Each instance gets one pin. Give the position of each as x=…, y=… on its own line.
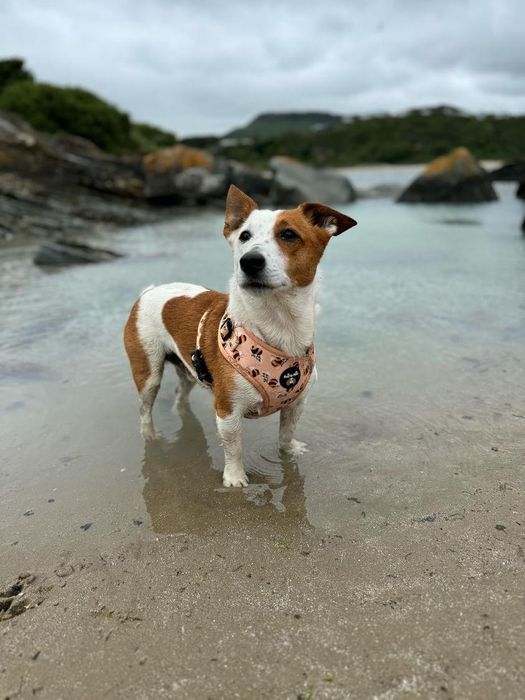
x=252, y=348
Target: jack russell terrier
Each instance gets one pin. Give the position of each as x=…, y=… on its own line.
x=254, y=347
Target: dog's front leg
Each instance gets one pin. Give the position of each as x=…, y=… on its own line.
x=289, y=418
x=230, y=432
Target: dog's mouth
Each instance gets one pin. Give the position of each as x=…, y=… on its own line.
x=254, y=285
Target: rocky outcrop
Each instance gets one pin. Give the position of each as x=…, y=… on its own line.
x=456, y=177
x=62, y=185
x=58, y=186
x=295, y=182
x=61, y=253
x=179, y=172
x=256, y=183
x=513, y=171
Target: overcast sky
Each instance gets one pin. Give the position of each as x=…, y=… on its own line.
x=204, y=66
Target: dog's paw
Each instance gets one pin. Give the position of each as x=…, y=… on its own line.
x=294, y=448
x=235, y=477
x=148, y=432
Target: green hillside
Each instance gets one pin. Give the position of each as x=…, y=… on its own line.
x=277, y=124
x=414, y=137
x=76, y=111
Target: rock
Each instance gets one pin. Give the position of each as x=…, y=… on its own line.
x=199, y=185
x=256, y=184
x=514, y=170
x=455, y=177
x=62, y=184
x=181, y=173
x=295, y=182
x=15, y=130
x=163, y=168
x=520, y=192
x=176, y=159
x=61, y=253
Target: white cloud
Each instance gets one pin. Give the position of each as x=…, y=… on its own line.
x=209, y=66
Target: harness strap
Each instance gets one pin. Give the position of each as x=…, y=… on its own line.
x=197, y=358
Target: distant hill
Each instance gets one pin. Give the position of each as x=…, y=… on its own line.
x=52, y=109
x=280, y=123
x=412, y=137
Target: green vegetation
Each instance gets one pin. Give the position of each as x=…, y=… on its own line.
x=276, y=124
x=11, y=71
x=147, y=138
x=314, y=137
x=414, y=137
x=51, y=108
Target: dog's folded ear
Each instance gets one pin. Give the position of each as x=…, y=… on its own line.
x=238, y=208
x=327, y=218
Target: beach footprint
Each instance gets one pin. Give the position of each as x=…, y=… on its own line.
x=18, y=597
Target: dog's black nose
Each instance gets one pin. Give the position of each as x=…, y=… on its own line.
x=252, y=263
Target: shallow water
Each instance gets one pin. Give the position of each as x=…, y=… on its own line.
x=420, y=348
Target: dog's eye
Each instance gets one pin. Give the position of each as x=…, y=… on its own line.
x=288, y=235
x=245, y=236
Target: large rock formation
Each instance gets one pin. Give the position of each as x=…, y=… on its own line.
x=513, y=171
x=61, y=185
x=456, y=177
x=256, y=183
x=295, y=182
x=180, y=172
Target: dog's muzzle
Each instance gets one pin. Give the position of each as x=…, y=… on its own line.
x=252, y=264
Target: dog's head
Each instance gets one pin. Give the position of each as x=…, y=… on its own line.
x=278, y=249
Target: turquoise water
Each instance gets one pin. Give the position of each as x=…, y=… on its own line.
x=421, y=349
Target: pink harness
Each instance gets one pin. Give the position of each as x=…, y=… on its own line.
x=278, y=378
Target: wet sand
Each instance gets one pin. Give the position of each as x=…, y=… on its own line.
x=388, y=562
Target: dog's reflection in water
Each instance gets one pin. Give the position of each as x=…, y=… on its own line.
x=183, y=490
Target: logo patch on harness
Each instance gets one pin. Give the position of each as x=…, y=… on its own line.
x=226, y=329
x=290, y=377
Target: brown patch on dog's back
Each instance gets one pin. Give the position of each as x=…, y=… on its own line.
x=181, y=316
x=138, y=359
x=303, y=255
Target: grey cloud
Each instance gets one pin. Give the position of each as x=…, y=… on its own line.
x=211, y=66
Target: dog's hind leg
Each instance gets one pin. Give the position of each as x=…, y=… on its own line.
x=184, y=386
x=147, y=399
x=147, y=364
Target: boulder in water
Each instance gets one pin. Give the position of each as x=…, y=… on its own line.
x=513, y=171
x=61, y=253
x=456, y=177
x=295, y=182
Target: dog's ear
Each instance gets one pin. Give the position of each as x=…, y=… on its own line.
x=332, y=221
x=238, y=208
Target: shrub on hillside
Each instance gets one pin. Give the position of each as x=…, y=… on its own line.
x=147, y=138
x=76, y=111
x=11, y=71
